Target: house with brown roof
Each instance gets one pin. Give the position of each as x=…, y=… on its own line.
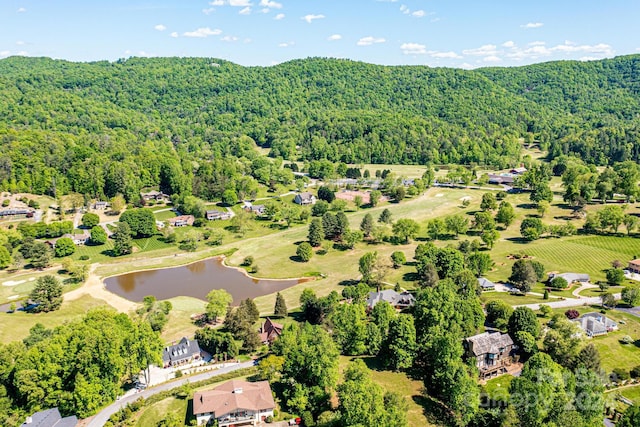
x=237, y=403
x=634, y=266
x=399, y=301
x=269, y=331
x=155, y=196
x=181, y=221
x=492, y=352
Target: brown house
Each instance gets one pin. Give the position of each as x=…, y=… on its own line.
x=634, y=266
x=181, y=221
x=269, y=331
x=237, y=403
x=492, y=351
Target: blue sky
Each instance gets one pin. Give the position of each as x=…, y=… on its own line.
x=450, y=33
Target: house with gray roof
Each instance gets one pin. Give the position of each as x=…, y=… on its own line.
x=486, y=284
x=184, y=352
x=50, y=418
x=305, y=198
x=595, y=324
x=398, y=300
x=571, y=277
x=492, y=352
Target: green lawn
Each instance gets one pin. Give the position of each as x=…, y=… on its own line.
x=15, y=326
x=512, y=299
x=632, y=393
x=153, y=415
x=498, y=388
x=164, y=215
x=400, y=383
x=180, y=323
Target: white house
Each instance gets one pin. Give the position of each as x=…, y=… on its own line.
x=237, y=403
x=305, y=198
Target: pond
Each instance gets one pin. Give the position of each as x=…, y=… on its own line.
x=194, y=280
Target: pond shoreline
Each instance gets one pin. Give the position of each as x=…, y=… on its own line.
x=196, y=279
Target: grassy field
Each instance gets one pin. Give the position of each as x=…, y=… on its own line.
x=400, y=383
x=614, y=354
x=153, y=415
x=24, y=283
x=498, y=388
x=180, y=323
x=632, y=393
x=15, y=326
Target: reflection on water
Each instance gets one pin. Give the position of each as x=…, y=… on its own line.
x=194, y=280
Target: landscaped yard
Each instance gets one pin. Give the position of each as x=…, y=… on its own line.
x=154, y=414
x=632, y=393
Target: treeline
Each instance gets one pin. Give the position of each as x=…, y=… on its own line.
x=78, y=367
x=190, y=124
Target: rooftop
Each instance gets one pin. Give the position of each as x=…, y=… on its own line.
x=234, y=395
x=489, y=343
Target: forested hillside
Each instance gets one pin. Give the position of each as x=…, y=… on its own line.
x=106, y=128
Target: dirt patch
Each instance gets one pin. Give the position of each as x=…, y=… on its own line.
x=350, y=195
x=94, y=287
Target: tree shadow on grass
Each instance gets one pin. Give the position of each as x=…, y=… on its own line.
x=410, y=276
x=435, y=412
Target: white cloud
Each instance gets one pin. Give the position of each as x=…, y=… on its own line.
x=20, y=43
x=216, y=2
x=404, y=9
x=174, y=34
x=369, y=40
x=310, y=18
x=537, y=43
x=271, y=4
x=245, y=11
x=279, y=16
x=287, y=44
x=22, y=53
x=239, y=3
x=491, y=58
x=265, y=10
x=334, y=37
x=4, y=53
x=532, y=25
x=448, y=55
x=413, y=49
x=203, y=32
x=419, y=13
x=485, y=50
x=229, y=38
x=387, y=1
x=21, y=10
x=508, y=44
x=589, y=58
x=160, y=27
x=144, y=54
x=466, y=66
x=208, y=11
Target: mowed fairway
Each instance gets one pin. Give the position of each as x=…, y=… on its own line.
x=580, y=254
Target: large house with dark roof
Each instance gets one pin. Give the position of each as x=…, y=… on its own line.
x=305, y=198
x=184, y=352
x=398, y=300
x=237, y=403
x=491, y=350
x=50, y=418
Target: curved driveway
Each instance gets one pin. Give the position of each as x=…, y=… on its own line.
x=102, y=417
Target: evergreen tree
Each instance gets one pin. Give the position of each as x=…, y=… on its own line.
x=47, y=294
x=367, y=225
x=280, y=308
x=122, y=243
x=316, y=232
x=385, y=217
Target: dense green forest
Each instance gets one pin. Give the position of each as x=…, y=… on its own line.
x=189, y=124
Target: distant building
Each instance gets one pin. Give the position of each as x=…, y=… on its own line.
x=50, y=418
x=518, y=171
x=16, y=213
x=79, y=239
x=155, y=196
x=305, y=198
x=181, y=221
x=214, y=215
x=503, y=178
x=398, y=300
x=634, y=266
x=185, y=351
x=492, y=351
x=269, y=331
x=571, y=277
x=100, y=205
x=486, y=284
x=234, y=403
x=257, y=209
x=594, y=324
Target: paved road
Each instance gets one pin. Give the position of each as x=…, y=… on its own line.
x=569, y=302
x=103, y=416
